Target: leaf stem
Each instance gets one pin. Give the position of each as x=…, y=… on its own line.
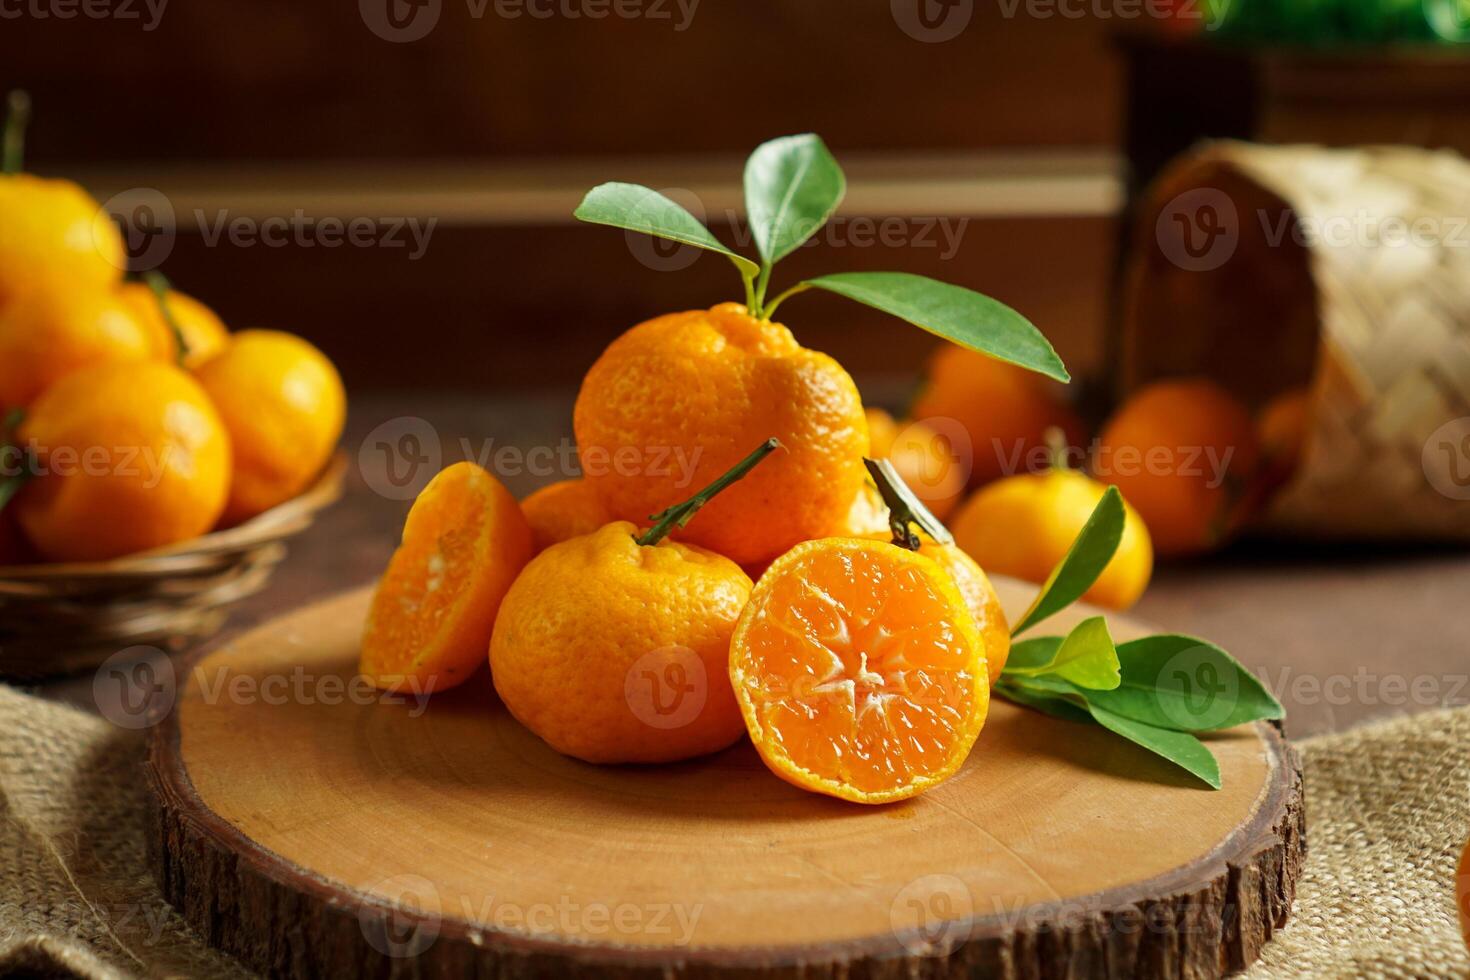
x=750, y=300
x=1056, y=448
x=159, y=283
x=904, y=508
x=770, y=309
x=680, y=514
x=762, y=283
x=18, y=114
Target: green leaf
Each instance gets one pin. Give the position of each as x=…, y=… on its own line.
x=1062, y=699
x=1086, y=657
x=792, y=186
x=1027, y=655
x=1083, y=563
x=1050, y=704
x=964, y=316
x=643, y=209
x=1180, y=748
x=1187, y=684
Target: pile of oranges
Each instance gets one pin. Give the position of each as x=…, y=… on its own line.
x=134, y=419
x=1192, y=464
x=648, y=613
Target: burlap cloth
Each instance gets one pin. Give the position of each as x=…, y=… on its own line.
x=1388, y=810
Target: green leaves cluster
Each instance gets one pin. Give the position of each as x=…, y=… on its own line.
x=1156, y=691
x=793, y=186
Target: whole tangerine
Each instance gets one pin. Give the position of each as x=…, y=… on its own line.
x=677, y=400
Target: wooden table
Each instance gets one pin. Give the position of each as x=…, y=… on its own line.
x=1341, y=634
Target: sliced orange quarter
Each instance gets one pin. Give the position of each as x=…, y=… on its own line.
x=859, y=670
x=429, y=625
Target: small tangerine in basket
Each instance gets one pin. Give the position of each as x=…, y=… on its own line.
x=204, y=333
x=284, y=405
x=429, y=624
x=130, y=457
x=859, y=670
x=563, y=510
x=47, y=333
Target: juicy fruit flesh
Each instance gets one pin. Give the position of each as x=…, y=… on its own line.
x=859, y=671
x=427, y=577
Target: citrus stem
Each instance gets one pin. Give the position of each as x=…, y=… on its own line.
x=18, y=114
x=1056, y=448
x=770, y=309
x=159, y=283
x=749, y=280
x=904, y=508
x=680, y=514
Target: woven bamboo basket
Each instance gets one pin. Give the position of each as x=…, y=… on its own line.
x=64, y=618
x=1343, y=271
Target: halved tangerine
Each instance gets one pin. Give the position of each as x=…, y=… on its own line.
x=859, y=670
x=429, y=625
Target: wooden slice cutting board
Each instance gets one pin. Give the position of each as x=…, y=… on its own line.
x=314, y=830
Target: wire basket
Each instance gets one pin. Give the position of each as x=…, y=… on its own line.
x=64, y=618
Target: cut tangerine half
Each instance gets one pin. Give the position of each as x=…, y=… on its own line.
x=859, y=670
x=429, y=625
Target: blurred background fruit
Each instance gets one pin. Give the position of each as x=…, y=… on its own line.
x=1023, y=526
x=203, y=332
x=51, y=231
x=562, y=510
x=464, y=542
x=678, y=400
x=284, y=406
x=131, y=457
x=925, y=458
x=1183, y=452
x=46, y=333
x=1005, y=409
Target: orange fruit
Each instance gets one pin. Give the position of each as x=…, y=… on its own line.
x=1006, y=409
x=612, y=651
x=284, y=405
x=676, y=400
x=1183, y=453
x=924, y=458
x=131, y=457
x=205, y=334
x=1462, y=893
x=562, y=510
x=1023, y=525
x=463, y=544
x=45, y=334
x=55, y=237
x=859, y=670
x=866, y=516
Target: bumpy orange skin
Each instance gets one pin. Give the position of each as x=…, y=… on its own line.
x=54, y=235
x=1023, y=525
x=706, y=387
x=563, y=510
x=463, y=544
x=859, y=670
x=1163, y=448
x=615, y=652
x=46, y=334
x=1007, y=410
x=284, y=405
x=205, y=334
x=135, y=457
x=922, y=457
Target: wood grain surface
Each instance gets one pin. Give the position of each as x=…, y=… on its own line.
x=315, y=830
